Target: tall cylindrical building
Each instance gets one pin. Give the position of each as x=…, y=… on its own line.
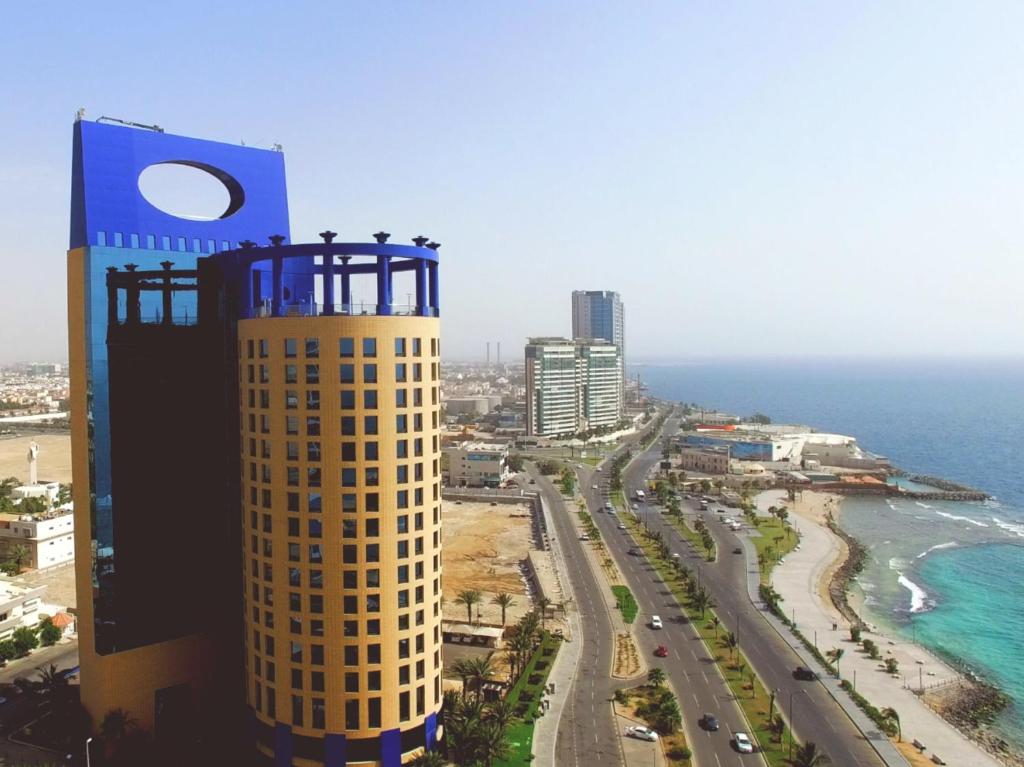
x=341, y=508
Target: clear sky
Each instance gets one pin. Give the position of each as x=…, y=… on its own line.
x=753, y=178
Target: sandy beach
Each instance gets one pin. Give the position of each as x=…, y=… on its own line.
x=803, y=582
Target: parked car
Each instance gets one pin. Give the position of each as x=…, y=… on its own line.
x=622, y=526
x=661, y=651
x=641, y=732
x=743, y=744
x=709, y=722
x=634, y=552
x=584, y=537
x=804, y=674
x=593, y=487
x=656, y=622
x=738, y=550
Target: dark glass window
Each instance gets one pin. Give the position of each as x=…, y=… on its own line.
x=346, y=347
x=370, y=350
x=370, y=373
x=370, y=424
x=347, y=373
x=399, y=347
x=312, y=347
x=291, y=348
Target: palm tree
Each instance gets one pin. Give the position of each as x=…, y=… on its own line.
x=428, y=759
x=656, y=677
x=469, y=598
x=462, y=668
x=18, y=554
x=808, y=755
x=504, y=601
x=492, y=743
x=542, y=604
x=54, y=685
x=116, y=725
x=702, y=601
x=834, y=655
x=714, y=622
x=889, y=714
x=501, y=711
x=731, y=641
x=481, y=670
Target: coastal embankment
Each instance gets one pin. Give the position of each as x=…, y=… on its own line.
x=813, y=582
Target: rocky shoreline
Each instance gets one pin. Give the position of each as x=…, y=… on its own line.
x=970, y=705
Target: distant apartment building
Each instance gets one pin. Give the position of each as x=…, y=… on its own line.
x=48, y=538
x=571, y=386
x=476, y=464
x=707, y=460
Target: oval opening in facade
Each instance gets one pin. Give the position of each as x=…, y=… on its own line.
x=191, y=190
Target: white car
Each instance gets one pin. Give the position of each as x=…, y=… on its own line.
x=641, y=732
x=594, y=487
x=656, y=622
x=743, y=744
x=622, y=526
x=584, y=537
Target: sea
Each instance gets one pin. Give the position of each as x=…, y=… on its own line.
x=949, y=575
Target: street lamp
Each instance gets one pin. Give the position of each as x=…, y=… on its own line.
x=87, y=742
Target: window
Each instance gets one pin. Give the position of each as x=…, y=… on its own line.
x=296, y=679
x=320, y=711
x=348, y=451
x=316, y=682
x=312, y=347
x=370, y=399
x=370, y=373
x=314, y=502
x=291, y=425
x=374, y=712
x=348, y=425
x=403, y=648
x=347, y=373
x=373, y=653
x=372, y=552
x=402, y=499
x=312, y=451
x=350, y=579
x=399, y=347
x=373, y=680
x=372, y=528
x=313, y=477
x=313, y=426
x=346, y=347
x=291, y=374
x=295, y=652
x=348, y=501
x=370, y=451
x=402, y=448
x=401, y=424
x=348, y=478
x=291, y=399
x=403, y=706
x=351, y=714
x=402, y=473
x=401, y=399
x=312, y=399
x=351, y=655
x=291, y=348
x=372, y=502
x=373, y=578
x=372, y=477
x=400, y=372
x=312, y=374
x=370, y=424
x=297, y=710
x=348, y=399
x=370, y=350
x=416, y=347
x=351, y=681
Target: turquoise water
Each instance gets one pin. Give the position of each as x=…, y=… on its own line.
x=950, y=573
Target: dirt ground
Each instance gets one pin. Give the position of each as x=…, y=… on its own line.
x=482, y=547
x=59, y=582
x=54, y=457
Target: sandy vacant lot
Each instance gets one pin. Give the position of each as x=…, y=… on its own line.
x=54, y=457
x=482, y=548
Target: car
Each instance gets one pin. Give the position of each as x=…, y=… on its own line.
x=636, y=506
x=709, y=722
x=622, y=526
x=804, y=674
x=597, y=468
x=594, y=487
x=737, y=550
x=719, y=510
x=656, y=622
x=661, y=651
x=584, y=537
x=743, y=744
x=642, y=733
x=634, y=551
x=533, y=482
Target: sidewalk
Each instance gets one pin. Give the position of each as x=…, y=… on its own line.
x=545, y=729
x=797, y=582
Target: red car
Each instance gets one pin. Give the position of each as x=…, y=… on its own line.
x=661, y=651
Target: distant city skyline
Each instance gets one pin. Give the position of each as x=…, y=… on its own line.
x=830, y=180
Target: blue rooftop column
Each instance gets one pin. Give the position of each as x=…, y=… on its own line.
x=421, y=289
x=346, y=286
x=328, y=272
x=435, y=302
x=277, y=270
x=384, y=285
x=134, y=309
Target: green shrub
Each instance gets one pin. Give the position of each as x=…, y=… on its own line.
x=679, y=753
x=625, y=602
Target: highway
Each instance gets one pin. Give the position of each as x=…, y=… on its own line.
x=587, y=734
x=816, y=716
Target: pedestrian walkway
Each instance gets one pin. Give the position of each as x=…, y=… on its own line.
x=545, y=730
x=797, y=581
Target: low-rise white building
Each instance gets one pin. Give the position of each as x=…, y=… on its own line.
x=476, y=464
x=49, y=538
x=19, y=606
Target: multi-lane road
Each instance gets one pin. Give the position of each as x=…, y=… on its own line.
x=816, y=716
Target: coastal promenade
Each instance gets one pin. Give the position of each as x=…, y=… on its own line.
x=799, y=581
